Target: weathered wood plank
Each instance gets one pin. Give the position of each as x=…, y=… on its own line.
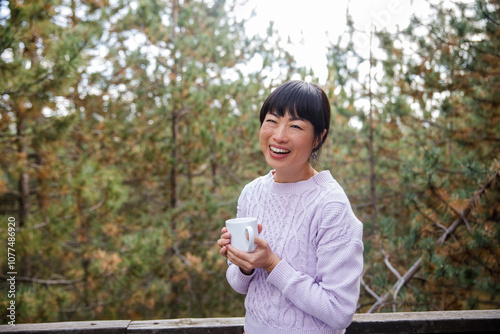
x=75, y=327
x=189, y=326
x=480, y=321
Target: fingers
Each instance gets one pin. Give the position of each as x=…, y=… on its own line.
x=224, y=240
x=225, y=234
x=223, y=251
x=240, y=258
x=237, y=255
x=235, y=251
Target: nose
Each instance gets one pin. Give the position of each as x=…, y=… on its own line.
x=280, y=134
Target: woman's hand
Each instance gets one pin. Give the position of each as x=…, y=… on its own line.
x=263, y=257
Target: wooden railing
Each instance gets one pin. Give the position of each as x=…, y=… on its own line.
x=485, y=321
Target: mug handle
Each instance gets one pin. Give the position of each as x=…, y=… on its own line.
x=251, y=238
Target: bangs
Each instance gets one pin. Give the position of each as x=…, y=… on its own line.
x=293, y=98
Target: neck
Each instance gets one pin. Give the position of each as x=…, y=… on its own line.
x=280, y=176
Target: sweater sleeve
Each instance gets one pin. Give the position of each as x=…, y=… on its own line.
x=236, y=279
x=332, y=295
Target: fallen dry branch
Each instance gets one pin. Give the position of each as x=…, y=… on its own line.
x=395, y=288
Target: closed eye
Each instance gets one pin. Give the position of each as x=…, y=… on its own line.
x=296, y=127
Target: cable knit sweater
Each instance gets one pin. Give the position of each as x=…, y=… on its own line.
x=310, y=225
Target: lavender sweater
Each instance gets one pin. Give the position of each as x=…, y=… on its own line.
x=310, y=225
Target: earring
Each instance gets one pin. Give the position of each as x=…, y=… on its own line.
x=314, y=154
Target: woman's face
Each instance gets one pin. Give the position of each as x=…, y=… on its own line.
x=287, y=144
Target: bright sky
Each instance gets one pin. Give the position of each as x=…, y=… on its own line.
x=313, y=24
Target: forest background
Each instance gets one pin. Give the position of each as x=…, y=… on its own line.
x=120, y=161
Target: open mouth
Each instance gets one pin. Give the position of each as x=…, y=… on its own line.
x=278, y=150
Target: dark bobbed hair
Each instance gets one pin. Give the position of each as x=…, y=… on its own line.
x=302, y=100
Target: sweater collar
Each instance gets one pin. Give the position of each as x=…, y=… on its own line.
x=297, y=187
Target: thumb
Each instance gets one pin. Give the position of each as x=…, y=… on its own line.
x=260, y=242
x=259, y=227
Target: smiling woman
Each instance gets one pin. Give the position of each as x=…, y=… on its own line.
x=304, y=275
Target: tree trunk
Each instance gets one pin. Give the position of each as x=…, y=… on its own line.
x=373, y=194
x=24, y=179
x=175, y=112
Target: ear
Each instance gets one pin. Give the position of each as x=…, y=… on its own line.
x=318, y=141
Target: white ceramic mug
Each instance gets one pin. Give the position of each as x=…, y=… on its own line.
x=240, y=228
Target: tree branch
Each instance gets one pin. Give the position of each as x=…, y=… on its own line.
x=448, y=205
x=45, y=281
x=389, y=265
x=369, y=290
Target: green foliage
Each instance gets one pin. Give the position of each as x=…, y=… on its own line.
x=128, y=129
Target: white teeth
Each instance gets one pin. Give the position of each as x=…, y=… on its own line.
x=278, y=150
